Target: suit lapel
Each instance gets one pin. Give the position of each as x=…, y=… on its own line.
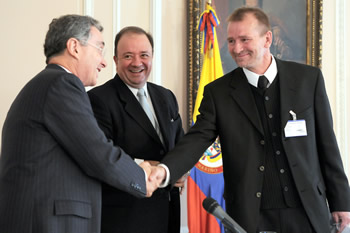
x=134, y=109
x=161, y=111
x=287, y=92
x=243, y=96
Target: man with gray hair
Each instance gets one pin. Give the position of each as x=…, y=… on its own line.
x=53, y=154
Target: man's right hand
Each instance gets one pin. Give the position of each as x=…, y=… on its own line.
x=153, y=179
x=158, y=174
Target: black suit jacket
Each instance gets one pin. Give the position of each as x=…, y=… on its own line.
x=53, y=156
x=228, y=110
x=123, y=120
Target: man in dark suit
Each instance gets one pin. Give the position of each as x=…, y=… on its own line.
x=282, y=167
x=53, y=152
x=124, y=120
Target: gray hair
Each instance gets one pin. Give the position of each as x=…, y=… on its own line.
x=65, y=27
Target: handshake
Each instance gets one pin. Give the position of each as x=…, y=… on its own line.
x=156, y=175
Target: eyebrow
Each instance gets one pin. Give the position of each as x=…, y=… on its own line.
x=141, y=52
x=101, y=43
x=240, y=37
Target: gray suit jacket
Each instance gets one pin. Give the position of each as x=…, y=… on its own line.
x=53, y=156
x=228, y=110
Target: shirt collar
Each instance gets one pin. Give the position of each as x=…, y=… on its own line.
x=135, y=90
x=270, y=74
x=65, y=69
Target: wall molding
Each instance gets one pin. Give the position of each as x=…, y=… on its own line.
x=156, y=31
x=89, y=7
x=116, y=25
x=341, y=61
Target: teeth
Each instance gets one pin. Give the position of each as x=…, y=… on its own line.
x=136, y=71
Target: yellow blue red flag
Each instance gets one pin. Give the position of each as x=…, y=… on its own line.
x=206, y=178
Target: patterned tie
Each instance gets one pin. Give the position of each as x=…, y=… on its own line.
x=263, y=82
x=144, y=103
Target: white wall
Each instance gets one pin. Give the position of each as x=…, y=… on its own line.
x=25, y=23
x=335, y=68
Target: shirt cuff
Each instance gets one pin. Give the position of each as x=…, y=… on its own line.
x=167, y=176
x=139, y=161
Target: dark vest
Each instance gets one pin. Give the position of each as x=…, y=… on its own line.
x=279, y=190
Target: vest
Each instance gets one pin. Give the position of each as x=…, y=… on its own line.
x=279, y=190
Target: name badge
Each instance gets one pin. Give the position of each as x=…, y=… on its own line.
x=295, y=128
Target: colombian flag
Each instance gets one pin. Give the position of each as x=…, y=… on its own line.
x=206, y=178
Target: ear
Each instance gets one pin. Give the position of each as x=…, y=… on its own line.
x=115, y=61
x=73, y=47
x=268, y=37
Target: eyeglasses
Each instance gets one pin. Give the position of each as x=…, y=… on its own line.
x=101, y=50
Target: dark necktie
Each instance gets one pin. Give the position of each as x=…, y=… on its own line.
x=263, y=82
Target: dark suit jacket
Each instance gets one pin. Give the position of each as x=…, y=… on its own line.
x=228, y=109
x=53, y=156
x=123, y=120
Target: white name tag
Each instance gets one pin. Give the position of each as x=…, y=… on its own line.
x=295, y=128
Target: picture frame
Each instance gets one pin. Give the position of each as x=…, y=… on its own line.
x=296, y=26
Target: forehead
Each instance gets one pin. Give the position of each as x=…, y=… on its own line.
x=133, y=42
x=248, y=26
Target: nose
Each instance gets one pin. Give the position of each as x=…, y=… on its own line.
x=237, y=48
x=103, y=62
x=136, y=61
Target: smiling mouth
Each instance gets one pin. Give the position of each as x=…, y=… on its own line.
x=136, y=71
x=241, y=55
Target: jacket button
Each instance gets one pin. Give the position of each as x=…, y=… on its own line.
x=258, y=194
x=262, y=168
x=262, y=142
x=136, y=186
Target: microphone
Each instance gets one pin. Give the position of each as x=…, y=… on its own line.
x=212, y=207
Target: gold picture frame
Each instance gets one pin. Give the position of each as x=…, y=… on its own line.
x=310, y=31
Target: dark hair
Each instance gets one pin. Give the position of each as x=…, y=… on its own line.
x=65, y=27
x=131, y=29
x=240, y=13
